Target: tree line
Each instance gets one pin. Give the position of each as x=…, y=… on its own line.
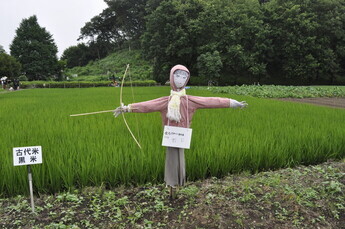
x=229, y=42
x=222, y=41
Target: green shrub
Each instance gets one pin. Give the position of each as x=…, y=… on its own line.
x=82, y=84
x=273, y=91
x=23, y=78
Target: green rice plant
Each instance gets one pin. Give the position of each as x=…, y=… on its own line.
x=98, y=149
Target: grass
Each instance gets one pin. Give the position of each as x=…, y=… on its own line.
x=98, y=150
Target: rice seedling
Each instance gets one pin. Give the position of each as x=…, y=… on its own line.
x=98, y=150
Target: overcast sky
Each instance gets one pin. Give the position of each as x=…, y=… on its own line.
x=62, y=18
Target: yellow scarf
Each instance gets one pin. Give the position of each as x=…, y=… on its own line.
x=174, y=105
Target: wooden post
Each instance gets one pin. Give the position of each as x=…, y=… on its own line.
x=31, y=189
x=172, y=193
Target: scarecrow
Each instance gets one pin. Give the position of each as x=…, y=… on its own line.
x=177, y=111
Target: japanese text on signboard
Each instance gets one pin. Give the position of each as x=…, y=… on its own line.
x=27, y=155
x=177, y=137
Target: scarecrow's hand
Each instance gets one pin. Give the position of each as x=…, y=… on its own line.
x=236, y=104
x=121, y=109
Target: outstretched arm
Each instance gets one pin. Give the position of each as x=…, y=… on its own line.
x=143, y=107
x=214, y=102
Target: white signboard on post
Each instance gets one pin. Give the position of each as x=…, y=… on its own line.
x=29, y=155
x=177, y=137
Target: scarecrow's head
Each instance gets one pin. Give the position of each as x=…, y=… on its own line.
x=179, y=76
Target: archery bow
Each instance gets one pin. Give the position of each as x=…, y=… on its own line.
x=123, y=115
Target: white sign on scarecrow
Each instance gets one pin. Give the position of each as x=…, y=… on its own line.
x=177, y=137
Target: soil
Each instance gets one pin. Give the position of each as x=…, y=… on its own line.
x=330, y=102
x=301, y=197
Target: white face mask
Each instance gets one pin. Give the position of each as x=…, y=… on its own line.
x=180, y=78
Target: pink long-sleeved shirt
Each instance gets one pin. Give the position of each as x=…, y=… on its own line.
x=189, y=104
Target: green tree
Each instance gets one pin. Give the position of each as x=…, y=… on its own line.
x=237, y=30
x=168, y=38
x=231, y=35
x=233, y=42
x=76, y=55
x=61, y=66
x=122, y=22
x=34, y=47
x=331, y=17
x=2, y=50
x=9, y=66
x=209, y=66
x=308, y=38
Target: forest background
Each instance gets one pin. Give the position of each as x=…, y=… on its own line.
x=224, y=42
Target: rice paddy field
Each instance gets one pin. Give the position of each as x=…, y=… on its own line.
x=97, y=150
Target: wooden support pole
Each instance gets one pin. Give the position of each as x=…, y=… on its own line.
x=172, y=193
x=31, y=189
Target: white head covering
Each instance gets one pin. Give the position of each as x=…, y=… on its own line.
x=173, y=113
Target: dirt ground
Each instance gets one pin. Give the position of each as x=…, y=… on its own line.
x=330, y=102
x=302, y=197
